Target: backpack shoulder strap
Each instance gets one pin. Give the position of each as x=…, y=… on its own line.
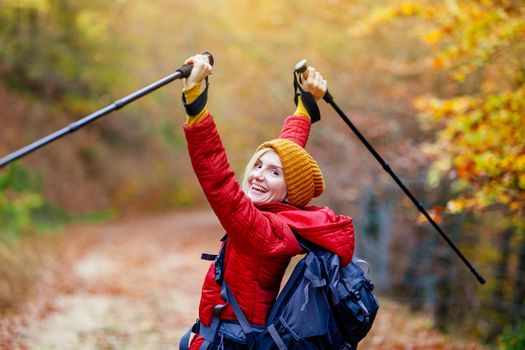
x=228, y=296
x=297, y=273
x=243, y=321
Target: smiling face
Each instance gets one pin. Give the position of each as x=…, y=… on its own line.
x=264, y=180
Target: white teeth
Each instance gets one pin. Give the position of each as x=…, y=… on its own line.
x=259, y=188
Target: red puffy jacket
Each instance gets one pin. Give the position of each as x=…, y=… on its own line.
x=261, y=237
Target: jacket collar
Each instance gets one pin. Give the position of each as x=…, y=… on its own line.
x=319, y=225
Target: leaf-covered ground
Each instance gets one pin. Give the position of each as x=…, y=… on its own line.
x=135, y=284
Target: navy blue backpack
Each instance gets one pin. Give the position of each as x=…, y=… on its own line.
x=322, y=306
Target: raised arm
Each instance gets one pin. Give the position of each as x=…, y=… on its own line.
x=246, y=225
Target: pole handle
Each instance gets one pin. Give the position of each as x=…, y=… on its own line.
x=301, y=68
x=185, y=69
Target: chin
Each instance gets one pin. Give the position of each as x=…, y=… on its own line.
x=256, y=200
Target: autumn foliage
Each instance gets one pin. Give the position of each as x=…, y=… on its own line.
x=480, y=46
x=478, y=114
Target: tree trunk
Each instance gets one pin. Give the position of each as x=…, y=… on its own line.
x=500, y=296
x=519, y=286
x=502, y=268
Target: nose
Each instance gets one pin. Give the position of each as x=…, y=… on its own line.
x=258, y=175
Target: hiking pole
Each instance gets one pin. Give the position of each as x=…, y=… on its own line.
x=183, y=72
x=300, y=68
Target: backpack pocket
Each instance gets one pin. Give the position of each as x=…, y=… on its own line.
x=355, y=306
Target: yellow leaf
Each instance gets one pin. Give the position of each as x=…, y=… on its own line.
x=521, y=181
x=504, y=198
x=433, y=37
x=519, y=163
x=408, y=9
x=459, y=76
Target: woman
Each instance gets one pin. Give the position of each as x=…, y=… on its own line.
x=261, y=218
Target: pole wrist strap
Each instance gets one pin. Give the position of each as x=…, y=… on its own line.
x=308, y=99
x=195, y=107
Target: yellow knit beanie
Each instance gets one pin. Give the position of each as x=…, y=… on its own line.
x=303, y=177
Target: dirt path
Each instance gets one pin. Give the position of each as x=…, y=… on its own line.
x=135, y=284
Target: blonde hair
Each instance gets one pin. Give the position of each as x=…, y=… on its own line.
x=251, y=164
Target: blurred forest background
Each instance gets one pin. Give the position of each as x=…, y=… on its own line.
x=436, y=86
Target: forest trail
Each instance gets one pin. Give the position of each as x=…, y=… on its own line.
x=135, y=284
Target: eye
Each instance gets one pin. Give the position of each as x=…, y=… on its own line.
x=258, y=165
x=276, y=172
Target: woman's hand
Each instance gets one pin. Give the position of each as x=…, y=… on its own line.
x=201, y=69
x=314, y=83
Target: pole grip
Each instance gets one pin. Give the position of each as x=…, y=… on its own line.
x=301, y=68
x=185, y=69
